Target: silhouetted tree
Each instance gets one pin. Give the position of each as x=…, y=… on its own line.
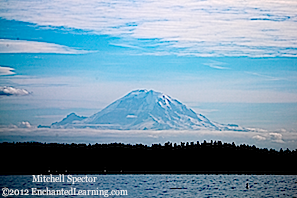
x=212, y=157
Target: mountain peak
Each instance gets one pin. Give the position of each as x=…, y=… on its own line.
x=72, y=115
x=150, y=94
x=146, y=109
x=142, y=93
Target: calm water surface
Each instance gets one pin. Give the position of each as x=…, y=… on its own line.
x=171, y=185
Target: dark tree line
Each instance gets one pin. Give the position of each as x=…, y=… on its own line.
x=117, y=158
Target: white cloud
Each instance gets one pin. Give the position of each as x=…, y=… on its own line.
x=20, y=125
x=276, y=137
x=258, y=137
x=6, y=71
x=131, y=116
x=24, y=124
x=200, y=28
x=11, y=91
x=23, y=46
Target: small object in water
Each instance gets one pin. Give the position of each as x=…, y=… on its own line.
x=247, y=186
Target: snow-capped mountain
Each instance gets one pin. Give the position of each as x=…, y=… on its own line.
x=143, y=109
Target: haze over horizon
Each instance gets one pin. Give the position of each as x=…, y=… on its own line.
x=232, y=61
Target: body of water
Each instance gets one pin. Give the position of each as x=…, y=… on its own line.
x=158, y=185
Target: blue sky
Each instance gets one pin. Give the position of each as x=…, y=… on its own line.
x=233, y=61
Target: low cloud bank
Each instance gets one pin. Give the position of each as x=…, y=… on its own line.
x=26, y=132
x=273, y=137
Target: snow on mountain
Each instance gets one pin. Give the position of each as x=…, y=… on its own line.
x=145, y=110
x=69, y=120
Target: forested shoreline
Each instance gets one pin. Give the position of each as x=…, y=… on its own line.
x=212, y=157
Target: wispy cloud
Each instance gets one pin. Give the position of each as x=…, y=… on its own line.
x=197, y=28
x=216, y=65
x=263, y=76
x=11, y=91
x=6, y=71
x=125, y=45
x=23, y=46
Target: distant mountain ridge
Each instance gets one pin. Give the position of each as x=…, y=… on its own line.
x=145, y=110
x=70, y=119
